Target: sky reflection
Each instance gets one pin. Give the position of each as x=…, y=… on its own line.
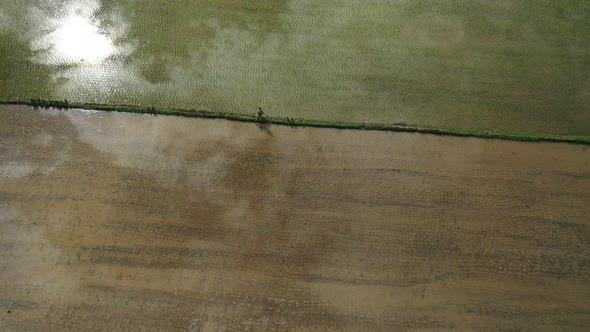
x=75, y=37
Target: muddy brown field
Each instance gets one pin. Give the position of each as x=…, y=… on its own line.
x=112, y=221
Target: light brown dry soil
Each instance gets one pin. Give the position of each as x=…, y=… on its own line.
x=112, y=221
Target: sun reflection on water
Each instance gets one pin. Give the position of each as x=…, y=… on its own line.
x=78, y=39
x=74, y=37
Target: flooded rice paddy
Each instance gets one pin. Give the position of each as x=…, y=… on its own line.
x=492, y=65
x=113, y=221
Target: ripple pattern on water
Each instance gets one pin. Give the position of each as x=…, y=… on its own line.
x=493, y=65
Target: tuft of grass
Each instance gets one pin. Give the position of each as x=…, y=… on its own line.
x=47, y=103
x=291, y=121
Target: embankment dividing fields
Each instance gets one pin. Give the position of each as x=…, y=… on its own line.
x=299, y=122
x=119, y=221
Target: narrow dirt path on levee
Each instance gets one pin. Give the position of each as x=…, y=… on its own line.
x=118, y=221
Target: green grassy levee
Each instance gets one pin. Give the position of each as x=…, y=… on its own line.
x=511, y=136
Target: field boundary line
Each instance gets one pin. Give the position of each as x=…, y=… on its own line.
x=295, y=122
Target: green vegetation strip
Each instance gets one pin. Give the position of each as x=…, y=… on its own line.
x=511, y=136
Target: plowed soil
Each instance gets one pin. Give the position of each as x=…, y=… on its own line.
x=112, y=221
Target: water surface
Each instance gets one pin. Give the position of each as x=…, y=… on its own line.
x=114, y=221
x=493, y=65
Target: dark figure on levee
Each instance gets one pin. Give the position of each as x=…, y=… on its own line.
x=262, y=122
